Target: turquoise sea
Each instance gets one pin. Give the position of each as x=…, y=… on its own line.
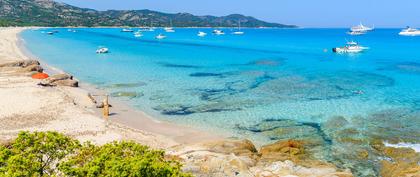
x=266, y=85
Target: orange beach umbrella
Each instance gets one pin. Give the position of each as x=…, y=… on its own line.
x=40, y=76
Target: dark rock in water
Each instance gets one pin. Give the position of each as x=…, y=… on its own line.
x=206, y=75
x=170, y=65
x=127, y=85
x=127, y=94
x=173, y=109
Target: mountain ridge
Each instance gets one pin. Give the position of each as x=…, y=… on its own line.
x=53, y=14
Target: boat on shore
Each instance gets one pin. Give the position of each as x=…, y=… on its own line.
x=351, y=47
x=410, y=32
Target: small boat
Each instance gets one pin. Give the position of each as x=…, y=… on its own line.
x=361, y=28
x=138, y=34
x=169, y=30
x=201, y=34
x=160, y=36
x=410, y=32
x=102, y=50
x=239, y=32
x=351, y=47
x=71, y=30
x=356, y=33
x=50, y=33
x=127, y=30
x=218, y=32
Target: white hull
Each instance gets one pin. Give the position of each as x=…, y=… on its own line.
x=238, y=33
x=415, y=33
x=160, y=37
x=201, y=34
x=102, y=50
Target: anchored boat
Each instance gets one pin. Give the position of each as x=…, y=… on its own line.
x=201, y=34
x=160, y=36
x=361, y=28
x=410, y=32
x=351, y=47
x=102, y=50
x=218, y=32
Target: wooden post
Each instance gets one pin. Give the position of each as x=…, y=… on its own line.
x=106, y=107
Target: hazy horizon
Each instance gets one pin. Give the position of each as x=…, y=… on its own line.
x=303, y=13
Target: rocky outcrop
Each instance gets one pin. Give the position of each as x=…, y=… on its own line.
x=241, y=158
x=21, y=63
x=60, y=80
x=399, y=162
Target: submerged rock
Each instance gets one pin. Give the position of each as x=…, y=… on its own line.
x=127, y=85
x=127, y=94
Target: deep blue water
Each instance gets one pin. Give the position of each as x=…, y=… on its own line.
x=266, y=85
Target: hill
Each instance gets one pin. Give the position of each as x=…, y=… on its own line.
x=51, y=13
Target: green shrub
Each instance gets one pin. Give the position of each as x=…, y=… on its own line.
x=53, y=154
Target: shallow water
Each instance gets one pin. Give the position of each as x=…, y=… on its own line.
x=266, y=85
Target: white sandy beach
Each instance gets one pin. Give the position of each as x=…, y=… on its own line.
x=26, y=106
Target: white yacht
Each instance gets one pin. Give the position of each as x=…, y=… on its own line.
x=361, y=28
x=102, y=50
x=160, y=36
x=351, y=47
x=138, y=34
x=410, y=32
x=127, y=30
x=201, y=34
x=218, y=32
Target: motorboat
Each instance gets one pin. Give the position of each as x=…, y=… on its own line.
x=160, y=36
x=410, y=32
x=102, y=50
x=218, y=32
x=71, y=30
x=351, y=47
x=361, y=28
x=356, y=33
x=201, y=34
x=127, y=30
x=138, y=34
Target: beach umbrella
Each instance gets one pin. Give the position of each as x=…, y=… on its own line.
x=40, y=76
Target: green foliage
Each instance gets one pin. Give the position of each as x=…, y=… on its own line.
x=120, y=159
x=53, y=154
x=34, y=154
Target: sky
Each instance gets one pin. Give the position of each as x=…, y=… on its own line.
x=304, y=13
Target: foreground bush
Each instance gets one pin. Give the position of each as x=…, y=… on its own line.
x=53, y=154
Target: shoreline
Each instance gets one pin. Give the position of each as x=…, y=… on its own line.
x=124, y=114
